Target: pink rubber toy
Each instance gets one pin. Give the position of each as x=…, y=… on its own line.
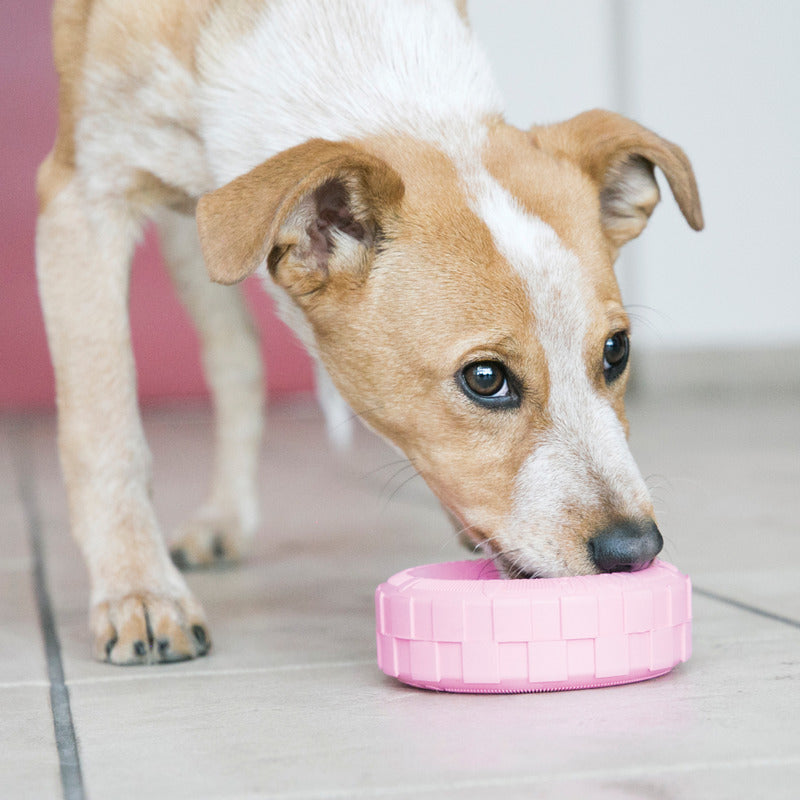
x=460, y=627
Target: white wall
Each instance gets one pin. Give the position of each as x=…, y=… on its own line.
x=720, y=78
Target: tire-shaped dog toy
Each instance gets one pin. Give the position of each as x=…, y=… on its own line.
x=460, y=627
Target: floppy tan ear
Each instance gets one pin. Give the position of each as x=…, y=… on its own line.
x=619, y=155
x=297, y=210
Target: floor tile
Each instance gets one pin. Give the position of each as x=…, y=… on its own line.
x=15, y=552
x=21, y=645
x=21, y=651
x=348, y=731
x=726, y=780
x=724, y=474
x=28, y=757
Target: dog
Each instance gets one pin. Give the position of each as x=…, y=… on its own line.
x=452, y=276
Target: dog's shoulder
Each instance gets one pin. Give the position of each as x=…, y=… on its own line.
x=127, y=74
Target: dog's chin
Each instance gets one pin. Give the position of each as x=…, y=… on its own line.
x=510, y=570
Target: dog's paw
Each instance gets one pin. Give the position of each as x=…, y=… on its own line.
x=143, y=628
x=210, y=540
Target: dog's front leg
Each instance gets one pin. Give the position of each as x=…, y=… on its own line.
x=141, y=608
x=223, y=528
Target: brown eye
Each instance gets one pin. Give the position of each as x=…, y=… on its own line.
x=487, y=383
x=615, y=355
x=487, y=378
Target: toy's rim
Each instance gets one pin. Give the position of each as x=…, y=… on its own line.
x=484, y=578
x=530, y=688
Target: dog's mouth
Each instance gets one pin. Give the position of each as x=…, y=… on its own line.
x=511, y=571
x=509, y=564
x=505, y=562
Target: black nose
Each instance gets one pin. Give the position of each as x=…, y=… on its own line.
x=626, y=546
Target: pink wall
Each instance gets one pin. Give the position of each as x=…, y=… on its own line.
x=164, y=341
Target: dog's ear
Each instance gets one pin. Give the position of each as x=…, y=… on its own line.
x=619, y=155
x=308, y=212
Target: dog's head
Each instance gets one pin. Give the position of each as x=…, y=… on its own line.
x=467, y=309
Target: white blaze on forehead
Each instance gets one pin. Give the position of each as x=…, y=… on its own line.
x=584, y=460
x=557, y=292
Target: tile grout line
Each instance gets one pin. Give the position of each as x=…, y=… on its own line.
x=746, y=607
x=23, y=684
x=66, y=742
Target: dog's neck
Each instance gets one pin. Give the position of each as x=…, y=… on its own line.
x=299, y=74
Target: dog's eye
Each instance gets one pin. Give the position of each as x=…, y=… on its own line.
x=487, y=379
x=487, y=384
x=615, y=355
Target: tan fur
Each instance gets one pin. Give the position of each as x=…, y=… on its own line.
x=70, y=23
x=70, y=20
x=600, y=142
x=118, y=27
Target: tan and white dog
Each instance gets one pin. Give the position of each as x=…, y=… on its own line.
x=453, y=276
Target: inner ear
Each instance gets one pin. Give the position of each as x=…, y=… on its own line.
x=627, y=198
x=334, y=213
x=331, y=230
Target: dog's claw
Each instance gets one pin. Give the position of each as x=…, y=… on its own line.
x=149, y=629
x=218, y=547
x=210, y=541
x=179, y=558
x=202, y=638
